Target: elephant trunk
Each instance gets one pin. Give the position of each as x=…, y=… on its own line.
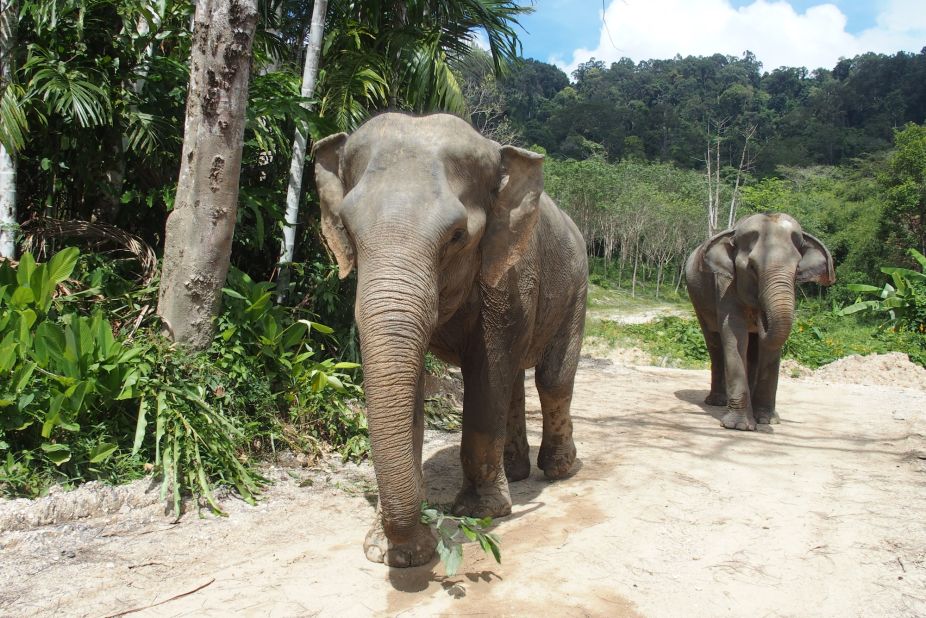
x=396, y=309
x=776, y=298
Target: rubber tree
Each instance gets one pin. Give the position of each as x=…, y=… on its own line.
x=8, y=21
x=198, y=239
x=297, y=164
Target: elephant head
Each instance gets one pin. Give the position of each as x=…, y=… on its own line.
x=765, y=255
x=424, y=208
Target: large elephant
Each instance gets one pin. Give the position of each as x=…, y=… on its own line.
x=458, y=251
x=741, y=283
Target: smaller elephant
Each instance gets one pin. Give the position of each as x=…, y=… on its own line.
x=741, y=283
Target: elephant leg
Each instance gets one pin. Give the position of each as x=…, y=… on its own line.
x=517, y=451
x=763, y=397
x=752, y=363
x=554, y=378
x=377, y=546
x=557, y=449
x=735, y=339
x=718, y=394
x=486, y=398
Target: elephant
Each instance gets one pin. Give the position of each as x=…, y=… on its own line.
x=742, y=285
x=459, y=252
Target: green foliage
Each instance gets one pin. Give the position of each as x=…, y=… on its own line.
x=63, y=373
x=819, y=336
x=80, y=399
x=253, y=326
x=670, y=339
x=813, y=343
x=901, y=303
x=440, y=413
x=453, y=531
x=904, y=181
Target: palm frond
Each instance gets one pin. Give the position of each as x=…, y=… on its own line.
x=144, y=132
x=75, y=93
x=13, y=123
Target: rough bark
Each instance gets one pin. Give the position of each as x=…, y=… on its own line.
x=8, y=13
x=297, y=164
x=199, y=231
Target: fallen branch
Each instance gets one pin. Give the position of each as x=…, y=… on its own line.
x=174, y=598
x=36, y=232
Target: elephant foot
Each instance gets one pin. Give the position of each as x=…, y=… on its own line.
x=415, y=551
x=716, y=399
x=765, y=417
x=556, y=459
x=517, y=469
x=739, y=419
x=487, y=501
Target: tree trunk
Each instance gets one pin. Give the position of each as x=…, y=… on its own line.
x=633, y=285
x=742, y=169
x=297, y=164
x=198, y=239
x=8, y=21
x=7, y=204
x=658, y=278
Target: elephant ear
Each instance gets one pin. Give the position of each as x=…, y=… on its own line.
x=816, y=262
x=511, y=220
x=717, y=254
x=327, y=153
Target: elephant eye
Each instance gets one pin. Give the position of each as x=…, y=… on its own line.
x=457, y=235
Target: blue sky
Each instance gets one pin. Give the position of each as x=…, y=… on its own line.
x=810, y=33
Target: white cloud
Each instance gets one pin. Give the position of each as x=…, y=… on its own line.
x=772, y=30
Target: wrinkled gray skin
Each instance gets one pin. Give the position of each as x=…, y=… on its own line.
x=457, y=251
x=741, y=283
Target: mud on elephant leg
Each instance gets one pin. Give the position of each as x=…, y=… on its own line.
x=517, y=451
x=718, y=394
x=485, y=486
x=555, y=378
x=735, y=338
x=557, y=450
x=763, y=396
x=486, y=401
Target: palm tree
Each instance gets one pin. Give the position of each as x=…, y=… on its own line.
x=398, y=54
x=395, y=54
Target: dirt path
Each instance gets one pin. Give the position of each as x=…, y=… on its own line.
x=667, y=515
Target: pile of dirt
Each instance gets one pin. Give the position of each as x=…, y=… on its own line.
x=892, y=369
x=792, y=369
x=598, y=347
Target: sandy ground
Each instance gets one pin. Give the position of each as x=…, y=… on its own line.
x=667, y=514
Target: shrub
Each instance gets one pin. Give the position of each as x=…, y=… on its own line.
x=85, y=397
x=900, y=303
x=62, y=400
x=672, y=337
